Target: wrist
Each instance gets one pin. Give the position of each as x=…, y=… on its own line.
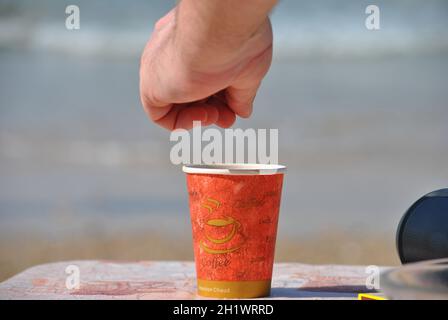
x=202, y=46
x=216, y=24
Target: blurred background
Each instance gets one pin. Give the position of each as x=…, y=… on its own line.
x=363, y=119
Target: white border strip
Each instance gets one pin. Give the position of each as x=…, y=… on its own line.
x=235, y=169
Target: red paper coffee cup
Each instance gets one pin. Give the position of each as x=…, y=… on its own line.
x=234, y=214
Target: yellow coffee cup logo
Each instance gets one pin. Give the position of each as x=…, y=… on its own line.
x=211, y=205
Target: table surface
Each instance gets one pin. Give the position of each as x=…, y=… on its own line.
x=172, y=280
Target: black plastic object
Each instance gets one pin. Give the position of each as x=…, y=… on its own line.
x=423, y=231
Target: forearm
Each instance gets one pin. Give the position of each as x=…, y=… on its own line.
x=212, y=28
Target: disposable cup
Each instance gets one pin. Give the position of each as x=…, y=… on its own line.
x=234, y=211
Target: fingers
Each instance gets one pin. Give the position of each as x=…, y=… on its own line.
x=226, y=116
x=213, y=110
x=188, y=115
x=207, y=113
x=182, y=116
x=168, y=121
x=212, y=115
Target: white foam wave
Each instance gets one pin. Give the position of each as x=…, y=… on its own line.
x=291, y=42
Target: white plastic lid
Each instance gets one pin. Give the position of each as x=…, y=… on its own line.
x=235, y=169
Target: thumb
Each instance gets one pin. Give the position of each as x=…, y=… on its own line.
x=241, y=94
x=240, y=99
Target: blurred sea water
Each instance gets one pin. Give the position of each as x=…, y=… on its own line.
x=363, y=120
x=113, y=28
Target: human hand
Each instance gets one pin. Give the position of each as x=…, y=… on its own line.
x=185, y=77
